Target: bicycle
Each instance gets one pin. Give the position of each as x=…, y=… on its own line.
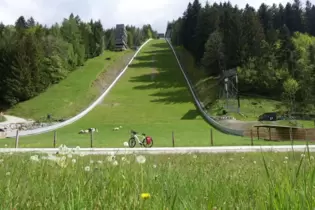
x=146, y=141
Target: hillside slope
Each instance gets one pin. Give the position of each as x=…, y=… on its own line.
x=151, y=97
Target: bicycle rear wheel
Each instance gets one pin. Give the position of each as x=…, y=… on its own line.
x=132, y=142
x=147, y=143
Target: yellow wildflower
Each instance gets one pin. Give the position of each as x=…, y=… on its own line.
x=145, y=195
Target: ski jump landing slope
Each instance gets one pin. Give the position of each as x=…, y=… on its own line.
x=84, y=112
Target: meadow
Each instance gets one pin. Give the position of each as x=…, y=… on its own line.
x=72, y=180
x=74, y=93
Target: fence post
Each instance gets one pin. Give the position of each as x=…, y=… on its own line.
x=251, y=137
x=55, y=138
x=17, y=139
x=211, y=137
x=173, y=139
x=91, y=138
x=291, y=137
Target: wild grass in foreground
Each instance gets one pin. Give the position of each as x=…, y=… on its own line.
x=71, y=180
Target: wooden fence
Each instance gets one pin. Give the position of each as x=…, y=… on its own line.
x=280, y=133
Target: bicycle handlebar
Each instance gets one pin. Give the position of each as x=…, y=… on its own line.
x=135, y=132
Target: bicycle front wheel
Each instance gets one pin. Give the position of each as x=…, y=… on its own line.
x=132, y=142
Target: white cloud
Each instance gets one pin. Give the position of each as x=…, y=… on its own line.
x=110, y=12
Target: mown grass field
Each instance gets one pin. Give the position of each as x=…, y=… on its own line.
x=156, y=106
x=72, y=94
x=190, y=181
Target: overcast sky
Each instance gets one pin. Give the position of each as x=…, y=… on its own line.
x=110, y=12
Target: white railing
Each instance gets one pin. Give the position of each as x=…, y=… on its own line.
x=168, y=150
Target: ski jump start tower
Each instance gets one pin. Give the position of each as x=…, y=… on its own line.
x=229, y=90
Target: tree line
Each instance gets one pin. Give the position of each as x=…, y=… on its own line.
x=34, y=56
x=273, y=47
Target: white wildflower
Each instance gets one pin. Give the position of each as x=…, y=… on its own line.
x=286, y=158
x=154, y=166
x=87, y=168
x=34, y=158
x=302, y=155
x=194, y=156
x=73, y=161
x=62, y=162
x=69, y=155
x=100, y=162
x=115, y=162
x=110, y=158
x=81, y=154
x=126, y=144
x=5, y=145
x=254, y=162
x=123, y=159
x=140, y=159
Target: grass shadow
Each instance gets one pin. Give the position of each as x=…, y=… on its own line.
x=191, y=115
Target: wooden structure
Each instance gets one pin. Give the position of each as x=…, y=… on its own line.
x=280, y=133
x=120, y=37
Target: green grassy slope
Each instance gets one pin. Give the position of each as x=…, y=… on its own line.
x=72, y=94
x=156, y=107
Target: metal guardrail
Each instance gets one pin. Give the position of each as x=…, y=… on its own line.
x=205, y=115
x=168, y=150
x=83, y=113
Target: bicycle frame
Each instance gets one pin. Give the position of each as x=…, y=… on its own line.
x=137, y=137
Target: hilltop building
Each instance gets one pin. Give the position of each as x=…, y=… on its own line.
x=121, y=37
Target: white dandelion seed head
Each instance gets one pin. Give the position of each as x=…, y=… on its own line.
x=34, y=158
x=140, y=159
x=87, y=168
x=73, y=161
x=115, y=162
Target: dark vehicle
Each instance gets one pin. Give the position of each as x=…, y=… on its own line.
x=270, y=116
